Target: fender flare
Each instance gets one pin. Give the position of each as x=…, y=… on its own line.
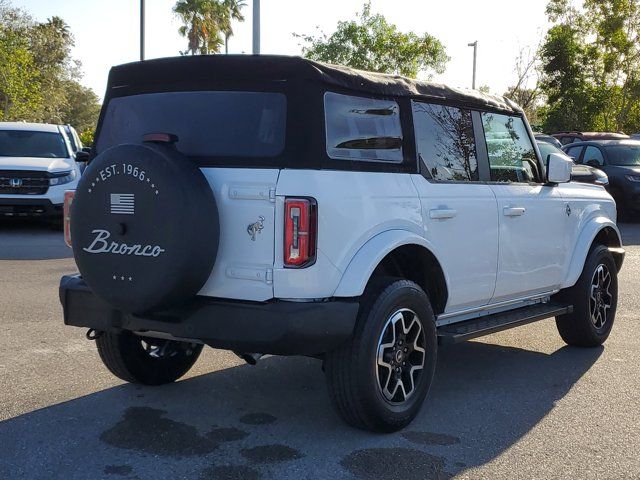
x=583, y=244
x=368, y=257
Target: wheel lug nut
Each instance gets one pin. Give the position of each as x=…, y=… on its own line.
x=406, y=349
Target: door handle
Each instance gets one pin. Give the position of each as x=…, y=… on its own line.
x=441, y=213
x=513, y=211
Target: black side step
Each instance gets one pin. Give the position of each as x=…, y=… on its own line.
x=477, y=327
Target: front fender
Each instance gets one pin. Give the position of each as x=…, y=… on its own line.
x=368, y=257
x=581, y=250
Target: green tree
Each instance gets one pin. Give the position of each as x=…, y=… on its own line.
x=82, y=107
x=232, y=11
x=371, y=43
x=39, y=80
x=202, y=26
x=591, y=65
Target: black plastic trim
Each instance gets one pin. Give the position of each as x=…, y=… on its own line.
x=275, y=327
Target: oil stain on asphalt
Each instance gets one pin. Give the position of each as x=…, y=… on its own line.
x=430, y=438
x=395, y=463
x=270, y=454
x=146, y=430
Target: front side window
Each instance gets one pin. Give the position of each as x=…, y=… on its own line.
x=512, y=157
x=445, y=141
x=593, y=156
x=207, y=123
x=359, y=128
x=29, y=143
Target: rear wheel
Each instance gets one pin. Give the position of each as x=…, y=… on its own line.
x=149, y=361
x=379, y=379
x=594, y=298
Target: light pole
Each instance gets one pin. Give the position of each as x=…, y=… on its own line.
x=141, y=30
x=475, y=58
x=256, y=27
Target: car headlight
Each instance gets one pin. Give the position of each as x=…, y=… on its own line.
x=633, y=178
x=62, y=178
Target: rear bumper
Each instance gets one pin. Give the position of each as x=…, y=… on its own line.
x=276, y=327
x=29, y=207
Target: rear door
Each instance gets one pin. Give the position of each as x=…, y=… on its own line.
x=459, y=211
x=532, y=215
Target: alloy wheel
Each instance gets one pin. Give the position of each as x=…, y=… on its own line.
x=400, y=356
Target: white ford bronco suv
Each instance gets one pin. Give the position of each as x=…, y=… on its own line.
x=275, y=205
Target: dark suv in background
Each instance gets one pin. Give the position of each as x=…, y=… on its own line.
x=570, y=137
x=620, y=160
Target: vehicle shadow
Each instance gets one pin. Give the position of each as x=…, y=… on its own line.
x=630, y=231
x=274, y=421
x=27, y=239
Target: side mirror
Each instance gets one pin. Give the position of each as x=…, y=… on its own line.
x=82, y=156
x=558, y=168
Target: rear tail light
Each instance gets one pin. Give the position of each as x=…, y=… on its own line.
x=68, y=200
x=300, y=232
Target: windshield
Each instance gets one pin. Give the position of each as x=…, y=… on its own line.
x=208, y=124
x=28, y=143
x=624, y=155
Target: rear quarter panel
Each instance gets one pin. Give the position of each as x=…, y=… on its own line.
x=353, y=207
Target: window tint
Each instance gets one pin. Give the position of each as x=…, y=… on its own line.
x=512, y=157
x=362, y=128
x=208, y=124
x=593, y=156
x=567, y=140
x=574, y=152
x=445, y=141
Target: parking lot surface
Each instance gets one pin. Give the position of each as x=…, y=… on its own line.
x=514, y=405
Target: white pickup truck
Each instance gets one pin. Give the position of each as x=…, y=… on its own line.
x=274, y=205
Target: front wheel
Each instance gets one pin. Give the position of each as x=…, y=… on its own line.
x=149, y=361
x=379, y=379
x=594, y=298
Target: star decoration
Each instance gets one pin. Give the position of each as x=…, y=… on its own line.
x=89, y=190
x=114, y=277
x=156, y=192
x=130, y=278
x=121, y=278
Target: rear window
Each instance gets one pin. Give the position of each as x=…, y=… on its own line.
x=208, y=124
x=361, y=128
x=28, y=143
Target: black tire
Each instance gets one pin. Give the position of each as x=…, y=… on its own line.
x=590, y=323
x=353, y=373
x=125, y=355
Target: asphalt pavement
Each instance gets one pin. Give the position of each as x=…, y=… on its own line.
x=514, y=405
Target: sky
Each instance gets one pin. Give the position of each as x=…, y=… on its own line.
x=107, y=31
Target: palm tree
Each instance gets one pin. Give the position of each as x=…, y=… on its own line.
x=202, y=25
x=231, y=12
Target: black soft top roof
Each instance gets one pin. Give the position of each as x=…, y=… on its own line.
x=200, y=69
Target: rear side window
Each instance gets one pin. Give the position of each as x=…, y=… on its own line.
x=445, y=141
x=574, y=152
x=593, y=156
x=208, y=124
x=512, y=157
x=359, y=128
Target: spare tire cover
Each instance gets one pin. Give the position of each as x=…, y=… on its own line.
x=144, y=227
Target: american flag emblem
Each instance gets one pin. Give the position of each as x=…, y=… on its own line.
x=123, y=203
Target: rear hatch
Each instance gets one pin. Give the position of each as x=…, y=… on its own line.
x=235, y=137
